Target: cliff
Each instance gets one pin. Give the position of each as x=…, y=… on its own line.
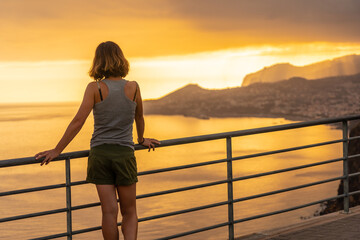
x=347, y=65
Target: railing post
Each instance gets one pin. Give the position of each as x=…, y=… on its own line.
x=68, y=198
x=230, y=188
x=345, y=165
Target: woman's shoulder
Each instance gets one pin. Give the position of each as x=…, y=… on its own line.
x=132, y=84
x=92, y=85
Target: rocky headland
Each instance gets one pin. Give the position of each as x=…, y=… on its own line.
x=295, y=99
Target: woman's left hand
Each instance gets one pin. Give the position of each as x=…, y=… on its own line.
x=150, y=143
x=49, y=155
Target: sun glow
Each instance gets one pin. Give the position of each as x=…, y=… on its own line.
x=59, y=81
x=225, y=68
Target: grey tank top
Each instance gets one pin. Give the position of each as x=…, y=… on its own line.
x=114, y=117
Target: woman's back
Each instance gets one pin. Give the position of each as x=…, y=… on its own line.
x=114, y=116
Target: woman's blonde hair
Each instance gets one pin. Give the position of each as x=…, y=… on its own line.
x=109, y=61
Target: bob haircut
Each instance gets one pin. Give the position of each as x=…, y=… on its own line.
x=109, y=61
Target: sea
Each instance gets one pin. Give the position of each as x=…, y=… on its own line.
x=27, y=129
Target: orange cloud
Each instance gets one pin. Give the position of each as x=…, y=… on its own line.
x=61, y=30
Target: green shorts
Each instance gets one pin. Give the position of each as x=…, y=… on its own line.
x=111, y=164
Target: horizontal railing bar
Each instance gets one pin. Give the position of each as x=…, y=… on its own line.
x=353, y=156
x=152, y=194
x=224, y=160
x=195, y=231
x=287, y=189
x=157, y=193
x=182, y=211
x=206, y=228
x=186, y=140
x=201, y=229
x=88, y=205
x=181, y=189
x=161, y=215
x=84, y=182
x=287, y=169
x=83, y=154
x=85, y=230
x=254, y=131
x=286, y=150
x=97, y=204
x=239, y=158
x=140, y=196
x=235, y=179
x=354, y=174
x=33, y=160
x=217, y=183
x=30, y=215
x=35, y=189
x=51, y=236
x=182, y=167
x=91, y=229
x=76, y=183
x=353, y=193
x=287, y=209
x=353, y=138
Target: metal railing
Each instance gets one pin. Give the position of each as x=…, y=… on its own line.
x=228, y=181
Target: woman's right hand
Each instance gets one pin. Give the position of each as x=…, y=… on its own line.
x=47, y=155
x=150, y=142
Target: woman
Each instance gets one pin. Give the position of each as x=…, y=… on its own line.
x=115, y=102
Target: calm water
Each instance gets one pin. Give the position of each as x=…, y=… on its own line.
x=28, y=129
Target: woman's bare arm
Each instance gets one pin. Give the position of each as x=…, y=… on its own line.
x=140, y=123
x=73, y=128
x=139, y=115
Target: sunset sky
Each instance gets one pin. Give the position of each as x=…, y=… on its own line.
x=46, y=47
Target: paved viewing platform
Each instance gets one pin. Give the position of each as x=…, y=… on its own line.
x=333, y=226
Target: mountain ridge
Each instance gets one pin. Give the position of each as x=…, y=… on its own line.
x=296, y=98
x=345, y=65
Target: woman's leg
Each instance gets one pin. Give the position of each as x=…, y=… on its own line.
x=129, y=224
x=109, y=208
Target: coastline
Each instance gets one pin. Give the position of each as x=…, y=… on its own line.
x=289, y=117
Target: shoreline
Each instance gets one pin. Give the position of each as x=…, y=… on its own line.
x=289, y=117
x=260, y=115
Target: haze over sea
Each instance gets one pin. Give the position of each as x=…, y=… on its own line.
x=30, y=128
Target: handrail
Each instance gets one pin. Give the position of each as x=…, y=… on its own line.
x=229, y=180
x=194, y=139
